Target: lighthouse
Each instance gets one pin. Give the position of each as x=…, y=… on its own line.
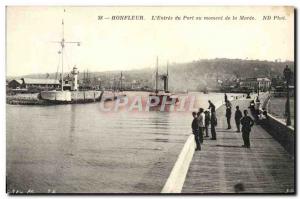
x=74, y=85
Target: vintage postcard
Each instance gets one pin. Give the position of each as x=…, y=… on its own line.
x=150, y=100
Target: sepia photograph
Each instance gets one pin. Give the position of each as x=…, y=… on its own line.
x=150, y=100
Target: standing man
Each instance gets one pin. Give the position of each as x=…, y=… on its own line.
x=207, y=122
x=213, y=120
x=201, y=120
x=257, y=105
x=212, y=107
x=238, y=116
x=228, y=114
x=225, y=97
x=195, y=128
x=247, y=123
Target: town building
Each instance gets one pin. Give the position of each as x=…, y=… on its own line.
x=70, y=82
x=15, y=84
x=263, y=84
x=135, y=85
x=30, y=82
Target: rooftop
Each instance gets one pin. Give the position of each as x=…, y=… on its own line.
x=40, y=81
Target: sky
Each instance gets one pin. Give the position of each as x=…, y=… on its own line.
x=133, y=44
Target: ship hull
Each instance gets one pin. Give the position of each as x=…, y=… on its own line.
x=78, y=97
x=164, y=98
x=57, y=96
x=110, y=95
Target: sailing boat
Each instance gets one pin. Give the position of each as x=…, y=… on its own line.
x=120, y=93
x=164, y=96
x=62, y=96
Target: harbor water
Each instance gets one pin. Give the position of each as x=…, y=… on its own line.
x=78, y=148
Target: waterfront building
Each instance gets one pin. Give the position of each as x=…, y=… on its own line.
x=70, y=82
x=135, y=85
x=30, y=82
x=15, y=84
x=229, y=85
x=263, y=84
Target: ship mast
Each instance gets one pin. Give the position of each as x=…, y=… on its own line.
x=156, y=77
x=62, y=45
x=121, y=81
x=167, y=68
x=167, y=81
x=62, y=56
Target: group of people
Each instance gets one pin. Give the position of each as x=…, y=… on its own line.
x=203, y=119
x=260, y=115
x=201, y=123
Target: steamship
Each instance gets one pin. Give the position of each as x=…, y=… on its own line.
x=165, y=97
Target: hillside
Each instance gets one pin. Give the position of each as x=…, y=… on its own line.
x=192, y=75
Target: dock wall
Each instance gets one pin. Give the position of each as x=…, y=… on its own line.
x=77, y=97
x=86, y=96
x=283, y=134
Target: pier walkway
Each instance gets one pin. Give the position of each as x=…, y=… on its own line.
x=223, y=166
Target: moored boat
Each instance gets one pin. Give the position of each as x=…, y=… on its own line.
x=62, y=96
x=57, y=96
